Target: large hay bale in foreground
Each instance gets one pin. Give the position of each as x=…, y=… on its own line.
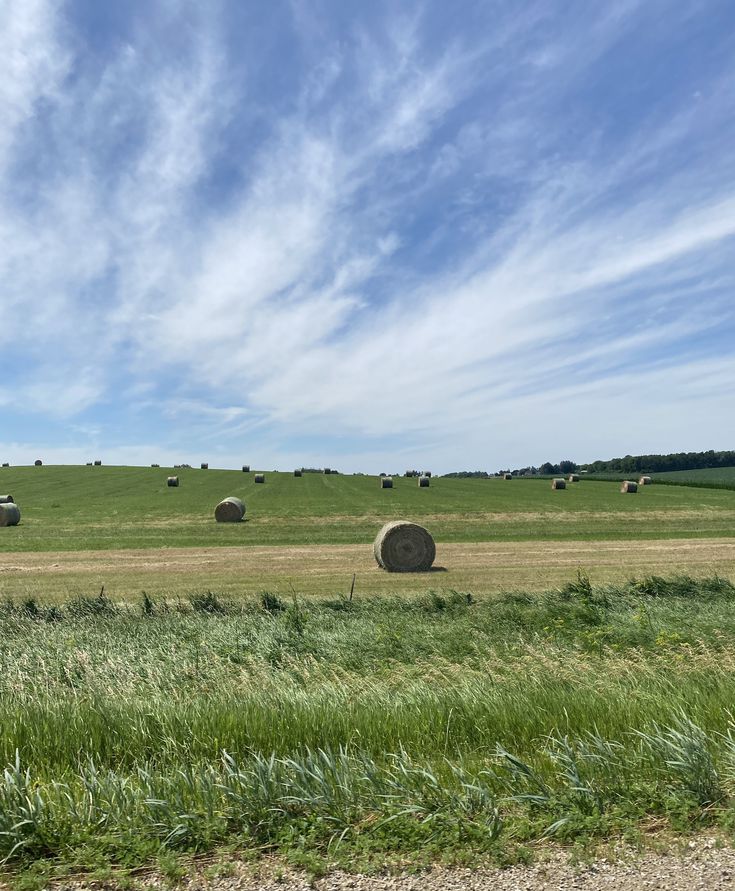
x=645, y=481
x=404, y=547
x=297, y=473
x=229, y=510
x=558, y=484
x=38, y=462
x=7, y=499
x=9, y=514
x=423, y=482
x=386, y=482
x=507, y=476
x=172, y=481
x=629, y=486
x=573, y=477
x=259, y=478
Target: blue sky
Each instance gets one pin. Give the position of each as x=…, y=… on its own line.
x=366, y=235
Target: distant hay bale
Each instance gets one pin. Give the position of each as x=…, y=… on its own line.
x=246, y=468
x=38, y=462
x=7, y=499
x=89, y=464
x=98, y=463
x=326, y=470
x=386, y=482
x=423, y=482
x=155, y=465
x=172, y=481
x=5, y=464
x=9, y=514
x=404, y=547
x=558, y=484
x=507, y=476
x=629, y=486
x=297, y=473
x=229, y=510
x=645, y=481
x=573, y=477
x=204, y=465
x=259, y=477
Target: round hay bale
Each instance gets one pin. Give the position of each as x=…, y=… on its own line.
x=297, y=473
x=172, y=481
x=386, y=482
x=507, y=476
x=573, y=477
x=5, y=464
x=229, y=510
x=204, y=465
x=629, y=486
x=155, y=465
x=645, y=481
x=7, y=499
x=404, y=547
x=259, y=478
x=98, y=463
x=38, y=462
x=9, y=514
x=558, y=484
x=423, y=482
x=326, y=470
x=246, y=468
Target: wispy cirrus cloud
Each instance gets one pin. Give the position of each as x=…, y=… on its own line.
x=408, y=234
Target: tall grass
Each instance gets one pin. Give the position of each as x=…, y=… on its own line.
x=380, y=722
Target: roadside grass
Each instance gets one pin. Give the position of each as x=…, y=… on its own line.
x=93, y=508
x=331, y=731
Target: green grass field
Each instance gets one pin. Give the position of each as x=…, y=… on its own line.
x=708, y=475
x=83, y=508
x=386, y=730
x=440, y=716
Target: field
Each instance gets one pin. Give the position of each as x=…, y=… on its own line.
x=709, y=475
x=566, y=673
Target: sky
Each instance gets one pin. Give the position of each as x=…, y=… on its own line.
x=370, y=236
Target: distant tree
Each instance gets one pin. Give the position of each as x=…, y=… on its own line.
x=567, y=467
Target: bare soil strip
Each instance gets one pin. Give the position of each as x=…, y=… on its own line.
x=483, y=567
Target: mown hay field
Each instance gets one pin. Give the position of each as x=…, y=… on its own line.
x=93, y=508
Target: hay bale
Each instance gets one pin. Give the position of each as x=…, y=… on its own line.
x=386, y=482
x=5, y=464
x=507, y=476
x=573, y=477
x=246, y=468
x=98, y=463
x=259, y=478
x=629, y=486
x=297, y=473
x=423, y=482
x=229, y=510
x=155, y=465
x=7, y=499
x=89, y=463
x=172, y=481
x=404, y=547
x=645, y=481
x=38, y=462
x=9, y=514
x=204, y=466
x=326, y=471
x=558, y=484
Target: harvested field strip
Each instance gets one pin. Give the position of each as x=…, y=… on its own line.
x=321, y=569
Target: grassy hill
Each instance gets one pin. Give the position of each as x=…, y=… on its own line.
x=710, y=475
x=79, y=508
